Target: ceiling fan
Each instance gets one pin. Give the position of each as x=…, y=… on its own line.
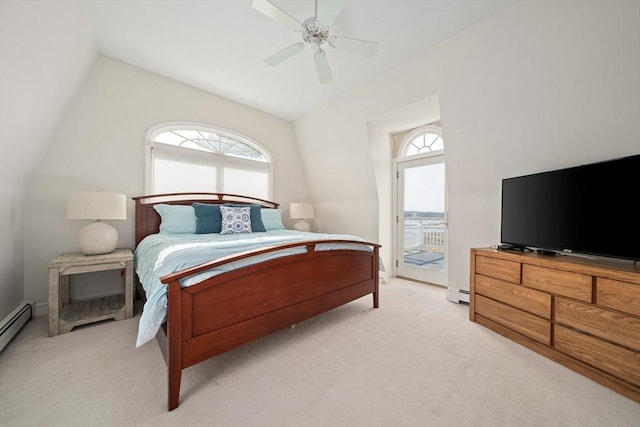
x=315, y=34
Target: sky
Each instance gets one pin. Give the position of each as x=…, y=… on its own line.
x=424, y=188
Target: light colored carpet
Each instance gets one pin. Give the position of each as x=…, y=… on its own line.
x=415, y=361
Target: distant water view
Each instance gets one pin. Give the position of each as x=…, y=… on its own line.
x=424, y=238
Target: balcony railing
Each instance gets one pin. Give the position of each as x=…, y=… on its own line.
x=421, y=236
x=424, y=243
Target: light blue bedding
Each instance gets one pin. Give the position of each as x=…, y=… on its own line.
x=161, y=254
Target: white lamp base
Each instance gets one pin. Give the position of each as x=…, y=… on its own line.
x=97, y=238
x=302, y=225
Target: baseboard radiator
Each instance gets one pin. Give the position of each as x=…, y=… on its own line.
x=14, y=321
x=463, y=295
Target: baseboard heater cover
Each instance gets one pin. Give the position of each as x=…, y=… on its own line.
x=463, y=295
x=14, y=321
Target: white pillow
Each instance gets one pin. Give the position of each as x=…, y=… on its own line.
x=235, y=220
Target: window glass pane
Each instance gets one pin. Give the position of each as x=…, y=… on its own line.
x=211, y=142
x=424, y=143
x=250, y=183
x=411, y=150
x=437, y=144
x=188, y=158
x=171, y=176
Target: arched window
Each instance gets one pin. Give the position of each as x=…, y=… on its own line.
x=188, y=157
x=423, y=140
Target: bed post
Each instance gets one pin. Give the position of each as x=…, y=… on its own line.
x=376, y=277
x=174, y=343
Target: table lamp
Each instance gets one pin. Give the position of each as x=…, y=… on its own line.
x=301, y=212
x=97, y=237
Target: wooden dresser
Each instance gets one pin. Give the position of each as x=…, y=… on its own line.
x=582, y=313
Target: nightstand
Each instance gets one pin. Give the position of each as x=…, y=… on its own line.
x=64, y=314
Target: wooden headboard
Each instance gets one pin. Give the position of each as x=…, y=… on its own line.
x=148, y=220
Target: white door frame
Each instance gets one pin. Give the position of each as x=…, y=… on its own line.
x=434, y=276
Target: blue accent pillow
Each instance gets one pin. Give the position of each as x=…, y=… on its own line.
x=235, y=220
x=208, y=218
x=256, y=216
x=176, y=219
x=272, y=219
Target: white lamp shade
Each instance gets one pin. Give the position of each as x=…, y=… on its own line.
x=301, y=210
x=96, y=205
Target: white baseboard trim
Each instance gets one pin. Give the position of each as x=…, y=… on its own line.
x=384, y=276
x=41, y=309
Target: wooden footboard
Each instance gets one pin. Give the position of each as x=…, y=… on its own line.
x=240, y=306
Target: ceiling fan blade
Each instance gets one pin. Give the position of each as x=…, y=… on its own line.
x=274, y=12
x=328, y=10
x=357, y=46
x=322, y=66
x=284, y=54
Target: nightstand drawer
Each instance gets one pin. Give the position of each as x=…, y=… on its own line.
x=526, y=324
x=618, y=295
x=526, y=299
x=610, y=325
x=621, y=362
x=565, y=283
x=498, y=268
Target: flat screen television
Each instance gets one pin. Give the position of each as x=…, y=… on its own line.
x=589, y=209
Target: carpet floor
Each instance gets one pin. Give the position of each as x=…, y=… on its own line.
x=415, y=361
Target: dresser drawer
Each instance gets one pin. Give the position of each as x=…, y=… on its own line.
x=498, y=268
x=527, y=324
x=618, y=361
x=603, y=323
x=618, y=295
x=558, y=282
x=530, y=300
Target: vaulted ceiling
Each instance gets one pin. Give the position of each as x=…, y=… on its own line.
x=220, y=46
x=48, y=47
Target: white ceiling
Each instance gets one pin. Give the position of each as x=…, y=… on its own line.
x=219, y=45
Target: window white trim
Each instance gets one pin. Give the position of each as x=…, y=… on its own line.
x=201, y=156
x=408, y=138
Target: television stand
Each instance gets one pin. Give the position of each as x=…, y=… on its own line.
x=581, y=313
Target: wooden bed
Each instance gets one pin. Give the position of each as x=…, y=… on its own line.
x=257, y=299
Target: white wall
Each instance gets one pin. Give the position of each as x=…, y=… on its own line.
x=46, y=52
x=99, y=145
x=538, y=86
x=39, y=76
x=12, y=247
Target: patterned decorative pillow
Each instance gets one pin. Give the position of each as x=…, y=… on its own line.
x=235, y=220
x=256, y=217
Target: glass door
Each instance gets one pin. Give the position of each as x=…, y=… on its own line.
x=422, y=220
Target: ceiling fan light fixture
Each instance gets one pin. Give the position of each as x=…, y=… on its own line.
x=315, y=33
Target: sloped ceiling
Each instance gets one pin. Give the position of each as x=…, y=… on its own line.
x=220, y=46
x=46, y=52
x=47, y=49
